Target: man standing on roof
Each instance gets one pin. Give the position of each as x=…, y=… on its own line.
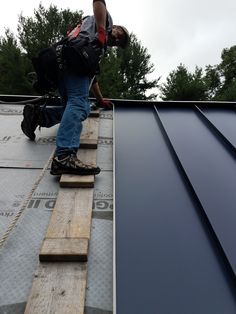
x=74, y=92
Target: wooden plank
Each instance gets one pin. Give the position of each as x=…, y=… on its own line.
x=89, y=135
x=94, y=113
x=63, y=250
x=71, y=219
x=88, y=143
x=71, y=214
x=77, y=181
x=58, y=288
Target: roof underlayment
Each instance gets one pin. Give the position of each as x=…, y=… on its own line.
x=21, y=162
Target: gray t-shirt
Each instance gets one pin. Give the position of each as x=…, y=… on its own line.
x=88, y=27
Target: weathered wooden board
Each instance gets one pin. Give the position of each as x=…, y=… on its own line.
x=63, y=250
x=94, y=113
x=68, y=180
x=70, y=220
x=89, y=135
x=58, y=288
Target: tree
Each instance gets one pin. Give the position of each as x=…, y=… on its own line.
x=13, y=67
x=124, y=72
x=182, y=85
x=212, y=80
x=45, y=28
x=227, y=72
x=110, y=78
x=217, y=82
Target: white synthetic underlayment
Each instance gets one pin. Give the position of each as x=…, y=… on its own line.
x=19, y=256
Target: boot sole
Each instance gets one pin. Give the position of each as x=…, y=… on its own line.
x=26, y=121
x=82, y=173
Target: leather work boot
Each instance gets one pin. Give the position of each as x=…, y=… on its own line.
x=72, y=165
x=32, y=117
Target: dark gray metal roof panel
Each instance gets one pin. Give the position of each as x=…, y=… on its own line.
x=167, y=260
x=211, y=170
x=224, y=121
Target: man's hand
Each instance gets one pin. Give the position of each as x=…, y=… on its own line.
x=106, y=104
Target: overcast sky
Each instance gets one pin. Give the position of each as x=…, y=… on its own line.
x=192, y=32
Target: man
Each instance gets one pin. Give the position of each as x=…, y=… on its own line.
x=74, y=92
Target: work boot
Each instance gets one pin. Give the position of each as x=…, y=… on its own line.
x=72, y=165
x=32, y=117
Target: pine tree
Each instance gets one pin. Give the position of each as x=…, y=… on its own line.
x=124, y=72
x=13, y=67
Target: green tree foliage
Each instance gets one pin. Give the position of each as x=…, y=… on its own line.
x=46, y=27
x=13, y=67
x=227, y=67
x=227, y=71
x=216, y=82
x=124, y=72
x=110, y=78
x=212, y=80
x=183, y=85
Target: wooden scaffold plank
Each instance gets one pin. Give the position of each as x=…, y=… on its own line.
x=60, y=285
x=58, y=288
x=69, y=180
x=70, y=223
x=89, y=135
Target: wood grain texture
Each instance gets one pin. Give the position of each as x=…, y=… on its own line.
x=77, y=181
x=70, y=220
x=89, y=135
x=58, y=288
x=63, y=250
x=71, y=217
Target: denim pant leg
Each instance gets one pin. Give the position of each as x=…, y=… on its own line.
x=75, y=89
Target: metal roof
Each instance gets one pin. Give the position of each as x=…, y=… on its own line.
x=175, y=208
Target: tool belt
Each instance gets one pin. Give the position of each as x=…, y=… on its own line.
x=81, y=56
x=77, y=56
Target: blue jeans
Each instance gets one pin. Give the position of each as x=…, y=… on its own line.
x=74, y=92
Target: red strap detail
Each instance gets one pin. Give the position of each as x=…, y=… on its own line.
x=101, y=36
x=75, y=32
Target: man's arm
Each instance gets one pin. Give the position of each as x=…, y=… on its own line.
x=97, y=92
x=103, y=103
x=100, y=14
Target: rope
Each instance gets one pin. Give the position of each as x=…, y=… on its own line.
x=25, y=203
x=29, y=101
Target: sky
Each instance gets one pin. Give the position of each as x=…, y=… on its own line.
x=191, y=32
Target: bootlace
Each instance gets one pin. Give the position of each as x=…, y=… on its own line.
x=78, y=163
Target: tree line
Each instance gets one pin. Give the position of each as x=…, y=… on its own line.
x=124, y=73
x=217, y=82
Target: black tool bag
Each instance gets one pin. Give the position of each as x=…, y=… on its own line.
x=47, y=70
x=81, y=56
x=77, y=56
